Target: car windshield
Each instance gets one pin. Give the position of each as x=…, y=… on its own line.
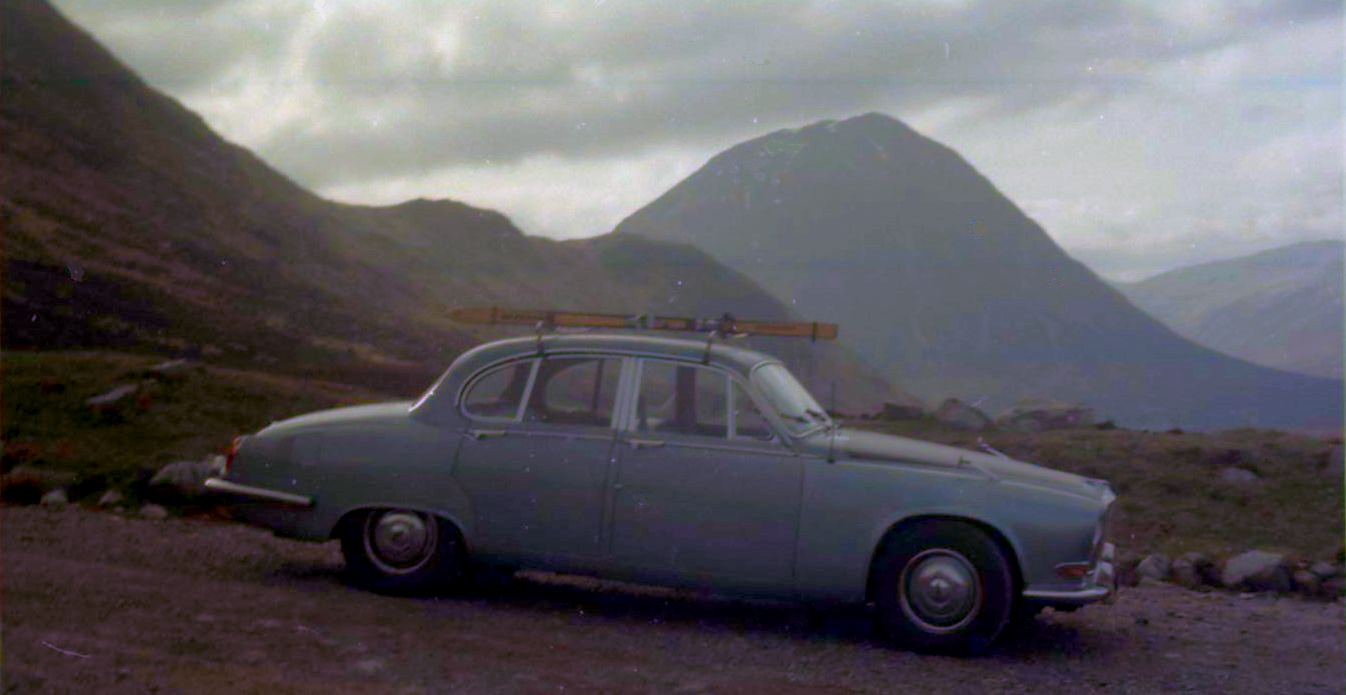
x=796, y=406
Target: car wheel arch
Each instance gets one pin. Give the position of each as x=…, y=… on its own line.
x=350, y=515
x=997, y=535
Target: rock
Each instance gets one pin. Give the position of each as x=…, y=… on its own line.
x=368, y=667
x=1156, y=566
x=1333, y=588
x=1307, y=583
x=960, y=415
x=172, y=370
x=27, y=484
x=902, y=411
x=1257, y=570
x=56, y=499
x=1040, y=416
x=1237, y=476
x=113, y=399
x=1192, y=570
x=1324, y=570
x=153, y=511
x=182, y=480
x=111, y=498
x=1220, y=458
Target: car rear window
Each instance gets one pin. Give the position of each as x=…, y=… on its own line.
x=497, y=393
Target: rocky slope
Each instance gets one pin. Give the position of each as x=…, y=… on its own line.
x=130, y=224
x=1281, y=308
x=942, y=282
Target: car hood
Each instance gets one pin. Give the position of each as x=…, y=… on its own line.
x=886, y=448
x=344, y=416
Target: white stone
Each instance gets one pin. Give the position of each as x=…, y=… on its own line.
x=153, y=511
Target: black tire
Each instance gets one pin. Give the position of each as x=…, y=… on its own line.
x=432, y=564
x=942, y=586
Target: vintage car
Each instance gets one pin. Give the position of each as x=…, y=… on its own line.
x=676, y=462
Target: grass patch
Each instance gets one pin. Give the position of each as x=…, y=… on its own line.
x=47, y=425
x=1170, y=496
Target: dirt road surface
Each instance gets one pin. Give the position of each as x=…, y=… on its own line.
x=93, y=602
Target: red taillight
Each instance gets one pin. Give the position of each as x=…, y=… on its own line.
x=229, y=454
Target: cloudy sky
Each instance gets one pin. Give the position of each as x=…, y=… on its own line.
x=1141, y=135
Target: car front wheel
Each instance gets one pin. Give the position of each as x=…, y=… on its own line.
x=943, y=586
x=401, y=551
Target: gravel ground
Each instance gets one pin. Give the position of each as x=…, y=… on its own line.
x=93, y=602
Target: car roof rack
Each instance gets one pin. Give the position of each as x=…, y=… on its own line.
x=724, y=326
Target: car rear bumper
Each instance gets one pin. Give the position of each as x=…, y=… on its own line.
x=1099, y=585
x=258, y=494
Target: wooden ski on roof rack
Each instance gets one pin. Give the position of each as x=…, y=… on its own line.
x=724, y=325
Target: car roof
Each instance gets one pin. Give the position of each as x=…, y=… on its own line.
x=725, y=354
x=441, y=397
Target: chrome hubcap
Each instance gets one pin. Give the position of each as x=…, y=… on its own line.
x=399, y=541
x=940, y=590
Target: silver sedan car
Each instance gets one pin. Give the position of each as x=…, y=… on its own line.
x=683, y=463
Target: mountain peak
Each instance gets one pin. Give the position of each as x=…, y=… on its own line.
x=878, y=123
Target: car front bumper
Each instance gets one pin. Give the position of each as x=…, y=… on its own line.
x=1099, y=585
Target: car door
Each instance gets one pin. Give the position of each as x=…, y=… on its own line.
x=535, y=461
x=703, y=490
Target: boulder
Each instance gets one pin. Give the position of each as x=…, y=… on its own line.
x=55, y=499
x=181, y=480
x=111, y=498
x=1324, y=570
x=153, y=511
x=1156, y=566
x=1257, y=570
x=1034, y=416
x=901, y=411
x=960, y=415
x=1192, y=570
x=26, y=484
x=1237, y=476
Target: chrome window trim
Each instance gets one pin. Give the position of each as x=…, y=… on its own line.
x=490, y=369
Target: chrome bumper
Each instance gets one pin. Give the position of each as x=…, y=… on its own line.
x=258, y=493
x=1100, y=584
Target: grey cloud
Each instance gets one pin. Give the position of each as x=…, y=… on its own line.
x=336, y=94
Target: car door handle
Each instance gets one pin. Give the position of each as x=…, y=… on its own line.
x=644, y=443
x=485, y=434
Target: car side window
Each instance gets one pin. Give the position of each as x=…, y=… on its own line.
x=574, y=390
x=497, y=394
x=682, y=399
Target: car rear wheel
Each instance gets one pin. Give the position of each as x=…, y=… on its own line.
x=401, y=551
x=943, y=586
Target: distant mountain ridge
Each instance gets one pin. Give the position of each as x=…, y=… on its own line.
x=1280, y=308
x=942, y=282
x=129, y=224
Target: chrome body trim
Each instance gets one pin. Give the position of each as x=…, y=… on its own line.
x=258, y=493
